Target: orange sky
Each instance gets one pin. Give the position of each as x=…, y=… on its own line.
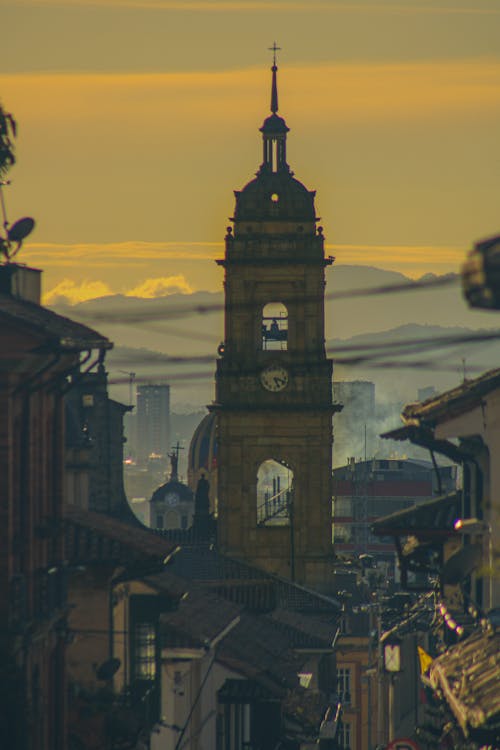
x=137, y=120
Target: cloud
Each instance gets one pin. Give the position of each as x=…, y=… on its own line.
x=252, y=6
x=72, y=292
x=161, y=287
x=106, y=254
x=425, y=255
x=342, y=93
x=107, y=258
x=47, y=254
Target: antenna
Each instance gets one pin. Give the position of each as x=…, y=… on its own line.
x=131, y=379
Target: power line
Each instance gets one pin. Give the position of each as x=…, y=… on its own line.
x=157, y=310
x=360, y=353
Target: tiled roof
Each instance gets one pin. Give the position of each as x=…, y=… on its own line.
x=258, y=649
x=468, y=675
x=434, y=518
x=96, y=537
x=453, y=402
x=307, y=631
x=63, y=332
x=246, y=584
x=201, y=616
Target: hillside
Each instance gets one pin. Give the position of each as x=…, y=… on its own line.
x=191, y=326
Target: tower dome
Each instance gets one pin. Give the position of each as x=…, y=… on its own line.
x=275, y=196
x=274, y=202
x=202, y=458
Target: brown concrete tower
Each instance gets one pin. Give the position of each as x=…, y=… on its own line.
x=274, y=390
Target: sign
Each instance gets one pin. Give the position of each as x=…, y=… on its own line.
x=402, y=744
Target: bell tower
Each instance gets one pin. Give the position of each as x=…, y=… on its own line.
x=273, y=382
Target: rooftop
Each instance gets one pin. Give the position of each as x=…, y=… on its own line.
x=468, y=676
x=61, y=332
x=96, y=537
x=431, y=519
x=451, y=403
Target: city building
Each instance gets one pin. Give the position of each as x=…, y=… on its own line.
x=39, y=352
x=153, y=424
x=94, y=445
x=113, y=620
x=172, y=504
x=366, y=490
x=463, y=425
x=273, y=383
x=448, y=550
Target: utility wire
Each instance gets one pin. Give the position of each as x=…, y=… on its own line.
x=157, y=310
x=362, y=352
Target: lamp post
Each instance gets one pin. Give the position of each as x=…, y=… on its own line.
x=392, y=665
x=478, y=526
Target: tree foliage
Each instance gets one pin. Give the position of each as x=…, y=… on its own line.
x=8, y=132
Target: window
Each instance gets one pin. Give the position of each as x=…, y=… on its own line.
x=159, y=521
x=274, y=327
x=344, y=685
x=237, y=726
x=344, y=736
x=274, y=493
x=342, y=507
x=145, y=651
x=342, y=533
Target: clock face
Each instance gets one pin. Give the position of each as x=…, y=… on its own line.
x=274, y=378
x=171, y=498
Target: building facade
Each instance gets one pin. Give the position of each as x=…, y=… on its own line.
x=366, y=490
x=273, y=382
x=153, y=423
x=39, y=351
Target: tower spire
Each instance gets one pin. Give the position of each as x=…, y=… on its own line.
x=274, y=85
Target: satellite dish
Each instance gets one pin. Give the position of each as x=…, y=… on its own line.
x=461, y=564
x=21, y=229
x=107, y=670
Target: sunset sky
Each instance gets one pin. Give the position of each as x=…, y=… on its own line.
x=138, y=118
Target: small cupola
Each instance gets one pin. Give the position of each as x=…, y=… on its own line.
x=274, y=130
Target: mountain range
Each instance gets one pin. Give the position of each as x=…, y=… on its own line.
x=359, y=312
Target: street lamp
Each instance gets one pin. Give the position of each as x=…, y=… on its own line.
x=478, y=526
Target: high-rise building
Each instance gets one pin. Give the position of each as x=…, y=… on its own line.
x=273, y=384
x=153, y=423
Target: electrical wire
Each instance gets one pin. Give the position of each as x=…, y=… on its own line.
x=157, y=310
x=378, y=356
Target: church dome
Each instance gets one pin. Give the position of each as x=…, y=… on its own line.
x=203, y=447
x=170, y=489
x=275, y=196
x=202, y=459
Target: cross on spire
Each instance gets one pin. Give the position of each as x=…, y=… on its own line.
x=274, y=49
x=274, y=86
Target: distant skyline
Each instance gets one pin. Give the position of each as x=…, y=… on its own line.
x=137, y=119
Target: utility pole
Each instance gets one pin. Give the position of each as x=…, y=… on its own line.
x=380, y=676
x=391, y=717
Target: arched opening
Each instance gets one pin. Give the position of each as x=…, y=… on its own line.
x=275, y=327
x=274, y=493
